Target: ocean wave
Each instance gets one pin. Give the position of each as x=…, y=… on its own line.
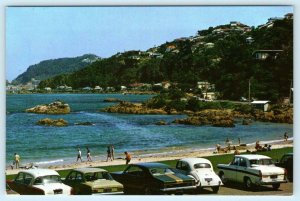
x=48, y=162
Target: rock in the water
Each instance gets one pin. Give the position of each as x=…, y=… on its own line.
x=246, y=122
x=56, y=107
x=84, y=123
x=113, y=100
x=161, y=123
x=52, y=122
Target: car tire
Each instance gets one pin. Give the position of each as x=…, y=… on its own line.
x=147, y=191
x=276, y=186
x=222, y=177
x=215, y=189
x=248, y=183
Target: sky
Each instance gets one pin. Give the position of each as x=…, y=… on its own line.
x=34, y=34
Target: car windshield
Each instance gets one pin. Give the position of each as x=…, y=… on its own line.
x=48, y=179
x=92, y=176
x=261, y=162
x=202, y=165
x=160, y=171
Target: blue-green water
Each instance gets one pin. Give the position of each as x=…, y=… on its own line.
x=135, y=133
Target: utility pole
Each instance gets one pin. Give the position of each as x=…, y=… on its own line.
x=249, y=91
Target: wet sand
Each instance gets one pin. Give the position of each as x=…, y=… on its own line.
x=162, y=157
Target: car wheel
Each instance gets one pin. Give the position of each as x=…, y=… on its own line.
x=248, y=183
x=215, y=189
x=275, y=186
x=147, y=191
x=222, y=177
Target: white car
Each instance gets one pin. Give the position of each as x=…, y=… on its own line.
x=39, y=182
x=252, y=170
x=202, y=171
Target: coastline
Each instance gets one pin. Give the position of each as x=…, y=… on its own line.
x=181, y=153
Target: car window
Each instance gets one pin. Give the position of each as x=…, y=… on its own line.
x=134, y=170
x=178, y=165
x=243, y=162
x=202, y=165
x=235, y=161
x=72, y=176
x=20, y=178
x=161, y=171
x=75, y=176
x=28, y=178
x=285, y=158
x=265, y=161
x=92, y=176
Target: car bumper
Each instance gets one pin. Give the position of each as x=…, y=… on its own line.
x=110, y=193
x=270, y=182
x=178, y=188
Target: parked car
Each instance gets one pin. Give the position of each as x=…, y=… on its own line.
x=202, y=170
x=286, y=162
x=9, y=191
x=153, y=178
x=39, y=182
x=87, y=181
x=252, y=170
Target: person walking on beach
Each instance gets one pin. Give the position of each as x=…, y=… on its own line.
x=79, y=155
x=239, y=141
x=285, y=136
x=112, y=150
x=127, y=157
x=88, y=154
x=108, y=153
x=17, y=160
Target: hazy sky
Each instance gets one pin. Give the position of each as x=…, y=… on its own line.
x=34, y=34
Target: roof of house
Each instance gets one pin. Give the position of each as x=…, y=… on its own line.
x=260, y=102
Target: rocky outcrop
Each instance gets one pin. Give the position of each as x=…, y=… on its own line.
x=217, y=118
x=56, y=107
x=112, y=100
x=276, y=116
x=246, y=122
x=161, y=123
x=132, y=108
x=52, y=122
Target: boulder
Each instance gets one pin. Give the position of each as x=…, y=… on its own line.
x=246, y=122
x=52, y=122
x=56, y=107
x=112, y=100
x=161, y=123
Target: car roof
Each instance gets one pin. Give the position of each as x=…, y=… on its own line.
x=40, y=172
x=253, y=156
x=89, y=170
x=152, y=165
x=195, y=160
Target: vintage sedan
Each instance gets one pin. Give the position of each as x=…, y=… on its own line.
x=202, y=170
x=153, y=178
x=87, y=181
x=252, y=170
x=286, y=162
x=39, y=182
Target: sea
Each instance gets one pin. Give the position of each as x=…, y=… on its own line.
x=137, y=134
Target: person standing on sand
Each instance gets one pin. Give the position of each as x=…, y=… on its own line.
x=79, y=155
x=17, y=160
x=88, y=154
x=112, y=150
x=108, y=153
x=285, y=136
x=239, y=141
x=127, y=157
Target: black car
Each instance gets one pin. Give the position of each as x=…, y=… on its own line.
x=153, y=178
x=286, y=162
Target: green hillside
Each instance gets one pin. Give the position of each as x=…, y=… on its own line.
x=224, y=55
x=50, y=68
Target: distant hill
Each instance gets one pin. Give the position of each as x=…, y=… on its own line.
x=53, y=67
x=227, y=55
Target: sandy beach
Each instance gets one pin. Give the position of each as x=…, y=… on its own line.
x=163, y=157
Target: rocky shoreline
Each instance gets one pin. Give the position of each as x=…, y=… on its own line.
x=213, y=117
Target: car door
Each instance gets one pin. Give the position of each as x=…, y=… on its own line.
x=74, y=179
x=134, y=178
x=231, y=171
x=241, y=171
x=183, y=167
x=18, y=184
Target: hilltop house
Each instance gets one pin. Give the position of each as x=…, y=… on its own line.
x=206, y=86
x=264, y=54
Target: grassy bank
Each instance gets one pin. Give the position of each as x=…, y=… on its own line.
x=275, y=154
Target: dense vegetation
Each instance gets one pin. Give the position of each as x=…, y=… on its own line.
x=50, y=68
x=229, y=64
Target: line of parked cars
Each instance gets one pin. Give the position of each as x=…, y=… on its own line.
x=190, y=175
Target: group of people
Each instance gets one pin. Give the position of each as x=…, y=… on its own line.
x=110, y=154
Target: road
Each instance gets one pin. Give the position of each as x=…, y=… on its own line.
x=235, y=189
